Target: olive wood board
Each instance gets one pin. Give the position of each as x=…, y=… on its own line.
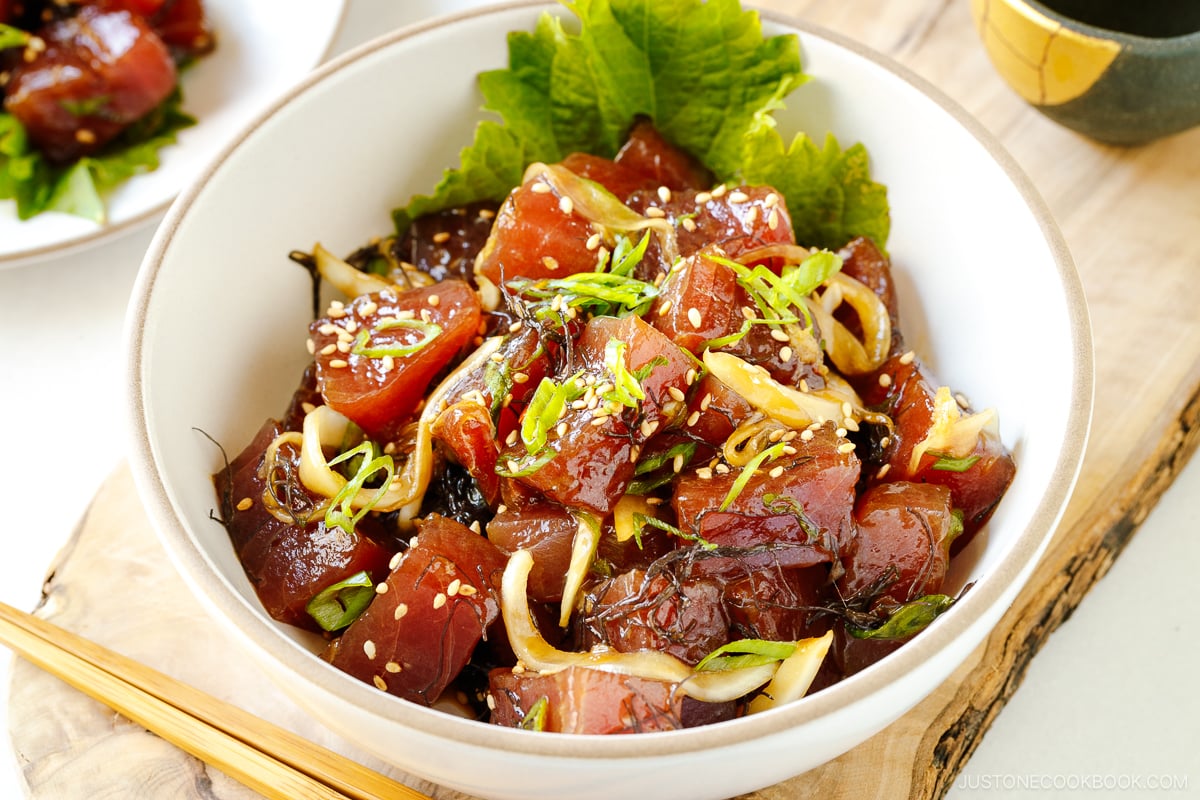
x=1127, y=216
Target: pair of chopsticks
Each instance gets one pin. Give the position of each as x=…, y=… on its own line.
x=268, y=759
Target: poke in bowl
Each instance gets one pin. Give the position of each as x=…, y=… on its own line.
x=642, y=419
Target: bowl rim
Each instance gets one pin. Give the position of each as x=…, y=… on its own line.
x=261, y=633
x=1133, y=41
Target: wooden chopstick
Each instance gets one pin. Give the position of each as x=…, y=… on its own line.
x=271, y=760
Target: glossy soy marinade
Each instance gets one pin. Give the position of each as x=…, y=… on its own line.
x=601, y=460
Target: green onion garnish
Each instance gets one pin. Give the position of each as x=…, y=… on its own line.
x=338, y=605
x=745, y=653
x=907, y=619
x=951, y=464
x=429, y=332
x=545, y=408
x=341, y=513
x=771, y=453
x=535, y=720
x=13, y=37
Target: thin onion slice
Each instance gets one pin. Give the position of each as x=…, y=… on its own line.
x=950, y=433
x=534, y=652
x=794, y=675
x=345, y=278
x=790, y=406
x=583, y=552
x=851, y=355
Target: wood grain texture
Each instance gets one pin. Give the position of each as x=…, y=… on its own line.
x=1127, y=215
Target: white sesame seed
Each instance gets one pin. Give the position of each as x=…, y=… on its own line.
x=785, y=354
x=885, y=442
x=664, y=306
x=779, y=335
x=401, y=610
x=439, y=600
x=540, y=187
x=561, y=429
x=738, y=197
x=593, y=241
x=773, y=219
x=327, y=328
x=690, y=377
x=425, y=315
x=705, y=401
x=693, y=316
x=467, y=590
x=747, y=312
x=434, y=300
x=704, y=473
x=491, y=702
x=885, y=380
x=311, y=346
x=396, y=559
x=453, y=587
x=379, y=682
x=688, y=224
x=654, y=212
x=600, y=420
x=381, y=588
x=807, y=436
x=703, y=197
x=566, y=205
x=676, y=394
x=369, y=649
x=771, y=200
x=845, y=447
x=677, y=463
x=664, y=194
x=840, y=433
x=719, y=191
x=648, y=427
x=244, y=504
x=883, y=471
x=693, y=418
x=550, y=263
x=752, y=215
x=338, y=363
x=520, y=377
x=368, y=308
x=908, y=357
x=392, y=667
x=775, y=473
x=721, y=469
x=441, y=237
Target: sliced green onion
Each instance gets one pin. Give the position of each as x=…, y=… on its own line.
x=341, y=513
x=600, y=293
x=535, y=719
x=429, y=332
x=13, y=37
x=906, y=620
x=640, y=521
x=626, y=256
x=519, y=468
x=771, y=453
x=545, y=408
x=745, y=653
x=336, y=606
x=626, y=391
x=652, y=463
x=952, y=464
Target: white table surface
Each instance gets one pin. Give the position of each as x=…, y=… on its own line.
x=1110, y=705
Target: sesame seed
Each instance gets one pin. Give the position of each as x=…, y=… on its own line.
x=752, y=215
x=593, y=241
x=773, y=219
x=439, y=600
x=704, y=473
x=688, y=224
x=400, y=611
x=434, y=300
x=883, y=471
x=561, y=429
x=327, y=328
x=566, y=205
x=520, y=377
x=426, y=316
x=336, y=313
x=775, y=435
x=396, y=559
x=779, y=335
x=498, y=358
x=847, y=409
x=738, y=197
x=693, y=418
x=380, y=683
x=648, y=427
x=388, y=363
x=338, y=363
x=789, y=436
x=491, y=702
x=467, y=590
x=885, y=380
x=705, y=401
x=703, y=197
x=486, y=213
x=908, y=357
x=885, y=442
x=806, y=436
x=244, y=504
x=676, y=393
x=664, y=306
x=441, y=237
x=329, y=349
x=511, y=439
x=407, y=313
x=804, y=386
x=785, y=354
x=381, y=588
x=693, y=316
x=600, y=420
x=845, y=447
x=840, y=433
x=747, y=312
x=540, y=187
x=655, y=212
x=719, y=191
x=634, y=452
x=474, y=527
x=962, y=401
x=677, y=463
x=721, y=469
x=369, y=649
x=664, y=194
x=775, y=473
x=83, y=135
x=788, y=450
x=310, y=346
x=550, y=263
x=690, y=377
x=516, y=326
x=368, y=308
x=453, y=587
x=771, y=200
x=392, y=667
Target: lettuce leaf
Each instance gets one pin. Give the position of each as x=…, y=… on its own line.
x=79, y=188
x=702, y=71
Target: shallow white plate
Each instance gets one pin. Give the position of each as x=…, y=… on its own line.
x=263, y=48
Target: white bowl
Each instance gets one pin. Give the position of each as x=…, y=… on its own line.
x=217, y=325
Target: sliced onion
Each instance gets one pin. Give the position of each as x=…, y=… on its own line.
x=345, y=278
x=851, y=355
x=623, y=515
x=749, y=439
x=790, y=406
x=950, y=433
x=536, y=653
x=583, y=552
x=794, y=675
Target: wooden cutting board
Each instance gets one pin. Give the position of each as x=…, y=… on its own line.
x=1127, y=216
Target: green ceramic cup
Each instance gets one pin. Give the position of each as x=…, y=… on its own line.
x=1120, y=71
